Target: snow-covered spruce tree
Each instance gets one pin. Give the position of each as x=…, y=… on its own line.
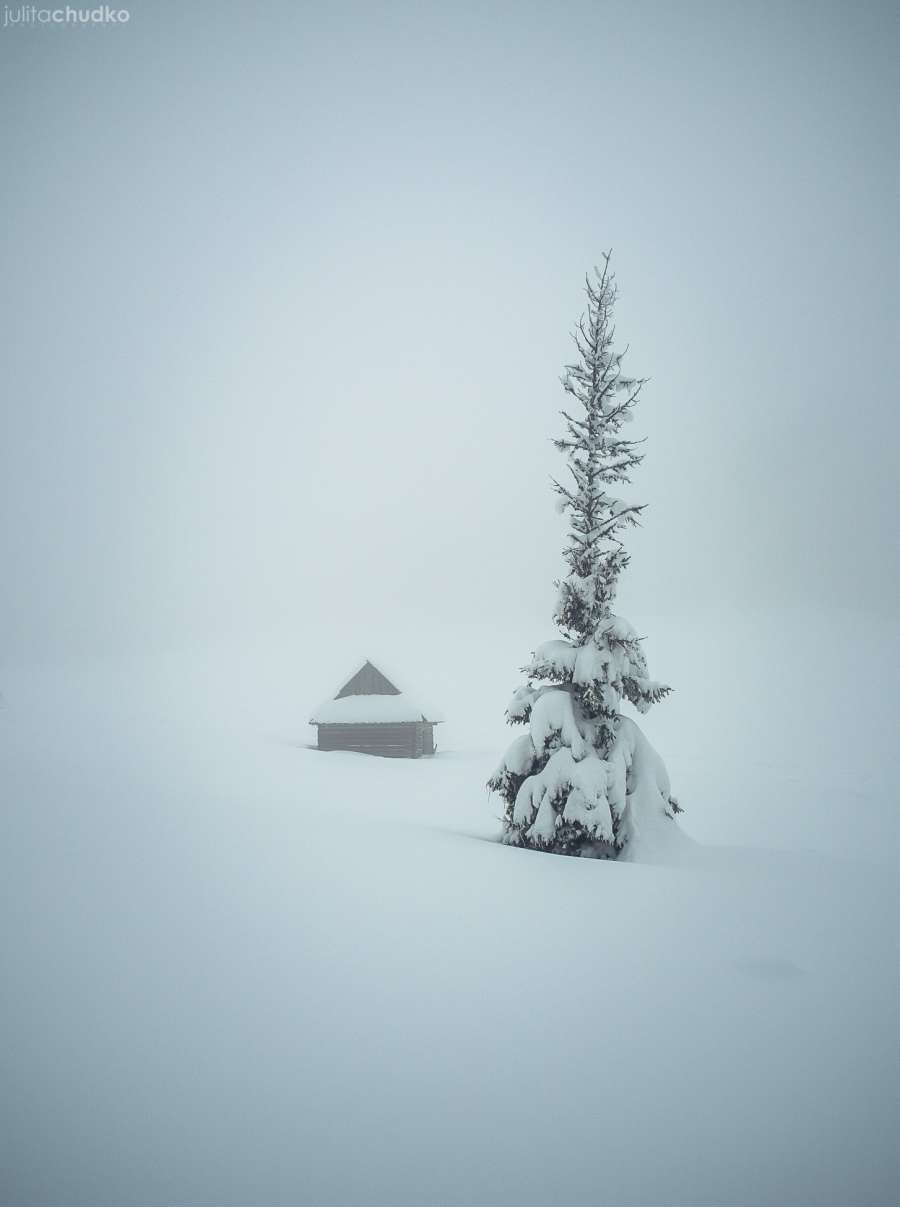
x=582, y=779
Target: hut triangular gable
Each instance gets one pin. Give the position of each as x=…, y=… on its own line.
x=368, y=681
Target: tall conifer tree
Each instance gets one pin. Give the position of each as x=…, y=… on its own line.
x=577, y=780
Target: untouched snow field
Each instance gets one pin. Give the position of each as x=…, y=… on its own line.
x=239, y=971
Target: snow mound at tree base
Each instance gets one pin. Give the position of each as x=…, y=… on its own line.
x=648, y=829
x=580, y=804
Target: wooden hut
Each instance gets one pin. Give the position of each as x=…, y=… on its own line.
x=371, y=715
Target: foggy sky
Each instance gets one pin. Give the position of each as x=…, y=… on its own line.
x=287, y=290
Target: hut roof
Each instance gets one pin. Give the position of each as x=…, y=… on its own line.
x=369, y=698
x=367, y=681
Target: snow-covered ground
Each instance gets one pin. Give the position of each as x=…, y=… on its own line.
x=239, y=971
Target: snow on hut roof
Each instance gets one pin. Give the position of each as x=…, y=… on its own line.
x=372, y=699
x=369, y=710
